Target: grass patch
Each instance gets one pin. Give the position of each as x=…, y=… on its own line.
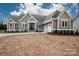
x=1, y=31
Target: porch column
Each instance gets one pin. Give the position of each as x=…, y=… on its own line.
x=28, y=26
x=52, y=24
x=14, y=26
x=57, y=24
x=35, y=26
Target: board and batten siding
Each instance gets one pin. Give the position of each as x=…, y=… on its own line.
x=54, y=24
x=22, y=26
x=11, y=28
x=69, y=26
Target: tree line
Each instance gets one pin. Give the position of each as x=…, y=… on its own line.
x=3, y=26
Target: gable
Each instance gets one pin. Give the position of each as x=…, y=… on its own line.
x=65, y=15
x=32, y=19
x=11, y=20
x=25, y=17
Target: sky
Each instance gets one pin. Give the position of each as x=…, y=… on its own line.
x=7, y=9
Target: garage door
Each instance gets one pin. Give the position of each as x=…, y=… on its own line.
x=47, y=29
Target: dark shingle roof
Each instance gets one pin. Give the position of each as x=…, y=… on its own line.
x=56, y=14
x=27, y=16
x=39, y=17
x=16, y=18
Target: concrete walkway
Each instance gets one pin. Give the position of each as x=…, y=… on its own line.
x=10, y=34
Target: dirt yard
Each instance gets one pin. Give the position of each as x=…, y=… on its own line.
x=39, y=44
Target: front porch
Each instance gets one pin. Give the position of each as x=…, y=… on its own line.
x=32, y=26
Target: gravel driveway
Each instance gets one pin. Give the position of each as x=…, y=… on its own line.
x=38, y=44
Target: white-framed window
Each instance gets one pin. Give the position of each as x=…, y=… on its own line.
x=64, y=23
x=25, y=25
x=10, y=24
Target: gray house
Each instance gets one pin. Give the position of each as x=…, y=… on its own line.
x=55, y=21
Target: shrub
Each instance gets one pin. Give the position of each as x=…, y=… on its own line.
x=55, y=31
x=36, y=30
x=67, y=32
x=76, y=32
x=25, y=31
x=72, y=32
x=60, y=32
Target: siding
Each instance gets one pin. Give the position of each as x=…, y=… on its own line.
x=54, y=24
x=12, y=26
x=76, y=24
x=68, y=27
x=21, y=28
x=65, y=15
x=46, y=25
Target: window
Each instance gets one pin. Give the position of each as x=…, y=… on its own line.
x=10, y=24
x=56, y=14
x=64, y=23
x=25, y=25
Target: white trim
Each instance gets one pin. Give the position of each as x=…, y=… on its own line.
x=57, y=23
x=28, y=26
x=62, y=29
x=64, y=18
x=52, y=24
x=32, y=21
x=11, y=28
x=69, y=14
x=64, y=24
x=63, y=13
x=14, y=26
x=33, y=18
x=22, y=17
x=11, y=19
